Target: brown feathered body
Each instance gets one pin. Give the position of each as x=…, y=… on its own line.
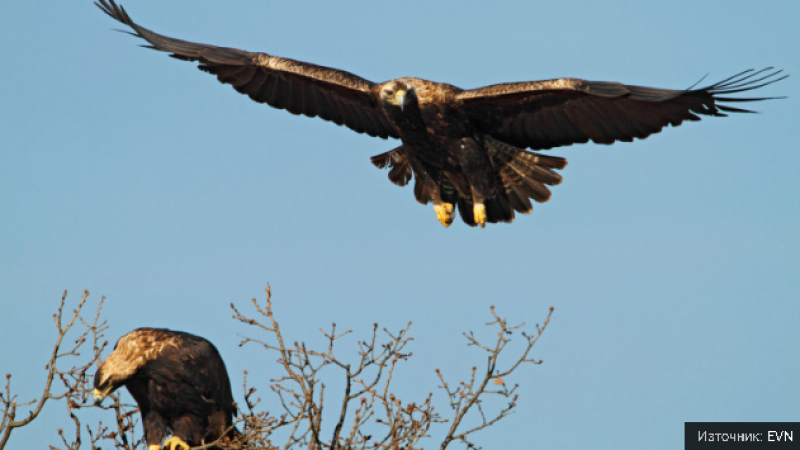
x=464, y=148
x=179, y=381
x=455, y=163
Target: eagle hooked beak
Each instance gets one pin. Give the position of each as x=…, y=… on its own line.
x=99, y=396
x=400, y=98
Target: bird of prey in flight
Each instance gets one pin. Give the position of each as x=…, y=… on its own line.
x=465, y=149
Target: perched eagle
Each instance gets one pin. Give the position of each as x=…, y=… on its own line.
x=464, y=148
x=179, y=382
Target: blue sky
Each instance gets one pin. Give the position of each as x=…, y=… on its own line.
x=672, y=263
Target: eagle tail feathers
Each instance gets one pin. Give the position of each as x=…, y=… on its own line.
x=465, y=210
x=521, y=176
x=524, y=174
x=498, y=209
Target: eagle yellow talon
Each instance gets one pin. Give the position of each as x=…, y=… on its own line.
x=445, y=212
x=176, y=442
x=479, y=213
x=154, y=447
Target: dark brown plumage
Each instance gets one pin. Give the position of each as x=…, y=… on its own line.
x=464, y=148
x=179, y=382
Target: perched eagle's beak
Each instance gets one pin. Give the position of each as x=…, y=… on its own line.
x=400, y=98
x=99, y=396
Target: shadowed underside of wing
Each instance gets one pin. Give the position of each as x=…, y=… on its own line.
x=553, y=113
x=298, y=87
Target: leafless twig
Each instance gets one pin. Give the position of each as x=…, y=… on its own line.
x=470, y=394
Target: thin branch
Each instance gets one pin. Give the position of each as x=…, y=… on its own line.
x=9, y=422
x=471, y=396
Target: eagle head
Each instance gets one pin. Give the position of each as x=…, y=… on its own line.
x=398, y=93
x=130, y=354
x=104, y=384
x=114, y=372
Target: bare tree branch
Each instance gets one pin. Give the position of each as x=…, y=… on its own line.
x=369, y=415
x=467, y=395
x=10, y=406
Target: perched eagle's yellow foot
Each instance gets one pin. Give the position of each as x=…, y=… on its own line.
x=154, y=447
x=445, y=212
x=479, y=213
x=175, y=442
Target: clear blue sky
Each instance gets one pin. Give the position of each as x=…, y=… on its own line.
x=672, y=262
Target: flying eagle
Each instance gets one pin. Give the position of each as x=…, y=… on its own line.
x=179, y=382
x=465, y=149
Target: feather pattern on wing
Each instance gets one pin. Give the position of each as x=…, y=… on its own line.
x=463, y=148
x=553, y=113
x=298, y=87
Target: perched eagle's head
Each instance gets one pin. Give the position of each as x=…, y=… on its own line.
x=398, y=93
x=131, y=353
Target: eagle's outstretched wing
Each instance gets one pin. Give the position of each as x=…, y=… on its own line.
x=553, y=113
x=295, y=86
